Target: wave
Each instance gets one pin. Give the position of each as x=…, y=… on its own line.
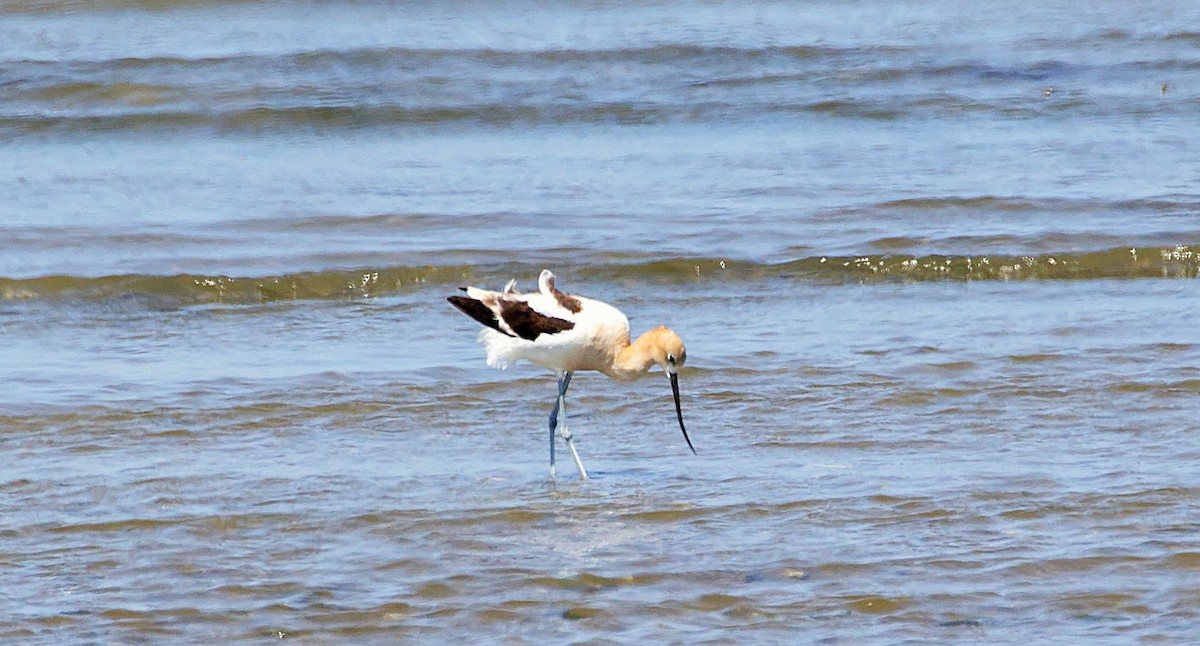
x=258, y=119
x=152, y=115
x=394, y=86
x=686, y=61
x=1180, y=262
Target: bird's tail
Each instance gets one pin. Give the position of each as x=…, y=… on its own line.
x=500, y=348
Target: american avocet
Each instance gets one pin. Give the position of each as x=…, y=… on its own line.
x=566, y=333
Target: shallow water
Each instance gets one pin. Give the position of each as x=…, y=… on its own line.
x=935, y=270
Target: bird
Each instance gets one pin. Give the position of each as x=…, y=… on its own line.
x=566, y=333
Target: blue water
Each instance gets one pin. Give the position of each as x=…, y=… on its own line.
x=934, y=265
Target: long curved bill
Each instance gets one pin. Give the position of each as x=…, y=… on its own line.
x=679, y=409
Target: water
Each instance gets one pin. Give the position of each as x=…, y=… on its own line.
x=935, y=266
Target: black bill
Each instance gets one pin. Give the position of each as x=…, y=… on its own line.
x=679, y=410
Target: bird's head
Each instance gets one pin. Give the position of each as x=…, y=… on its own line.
x=666, y=349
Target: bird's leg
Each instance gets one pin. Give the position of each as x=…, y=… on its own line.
x=564, y=431
x=564, y=380
x=559, y=414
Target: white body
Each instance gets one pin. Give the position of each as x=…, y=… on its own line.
x=600, y=331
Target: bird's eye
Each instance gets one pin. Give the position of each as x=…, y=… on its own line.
x=671, y=359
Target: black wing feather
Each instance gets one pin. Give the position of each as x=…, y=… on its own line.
x=528, y=323
x=477, y=311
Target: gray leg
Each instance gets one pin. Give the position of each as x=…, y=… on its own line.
x=557, y=414
x=564, y=380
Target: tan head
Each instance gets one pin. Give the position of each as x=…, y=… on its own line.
x=664, y=347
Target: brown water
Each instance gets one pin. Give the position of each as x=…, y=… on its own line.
x=935, y=267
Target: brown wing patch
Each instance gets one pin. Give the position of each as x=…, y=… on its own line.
x=477, y=311
x=528, y=323
x=568, y=302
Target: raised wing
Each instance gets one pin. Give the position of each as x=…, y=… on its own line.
x=519, y=315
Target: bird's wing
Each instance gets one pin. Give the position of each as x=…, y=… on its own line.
x=547, y=288
x=525, y=316
x=480, y=311
x=530, y=316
